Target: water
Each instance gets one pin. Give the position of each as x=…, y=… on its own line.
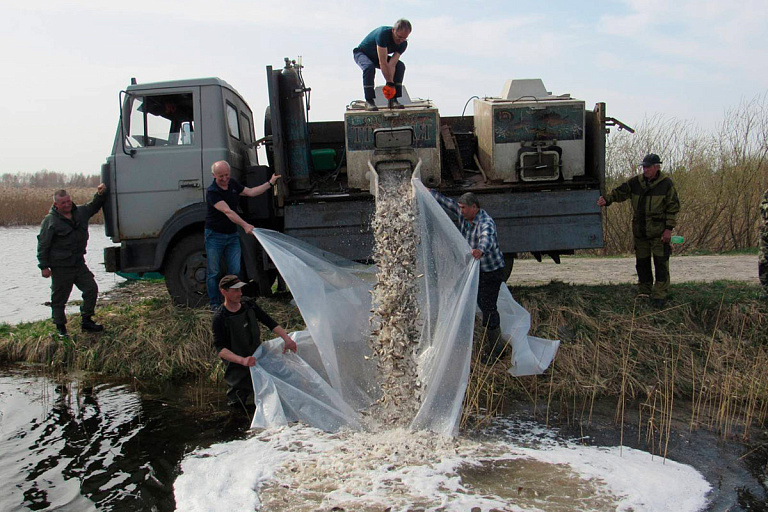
x=79, y=443
x=76, y=443
x=25, y=291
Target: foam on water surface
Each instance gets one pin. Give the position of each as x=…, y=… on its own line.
x=522, y=467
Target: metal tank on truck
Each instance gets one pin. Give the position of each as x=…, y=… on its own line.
x=536, y=161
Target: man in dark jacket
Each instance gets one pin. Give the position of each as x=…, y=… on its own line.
x=236, y=336
x=61, y=248
x=655, y=206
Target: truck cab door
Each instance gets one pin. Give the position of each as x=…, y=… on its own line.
x=159, y=169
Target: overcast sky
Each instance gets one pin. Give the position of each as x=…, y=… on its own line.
x=64, y=63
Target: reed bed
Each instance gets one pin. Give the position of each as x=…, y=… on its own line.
x=720, y=177
x=28, y=206
x=702, y=357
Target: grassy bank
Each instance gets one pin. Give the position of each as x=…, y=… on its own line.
x=708, y=347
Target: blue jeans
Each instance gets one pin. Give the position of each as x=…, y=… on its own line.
x=369, y=73
x=220, y=248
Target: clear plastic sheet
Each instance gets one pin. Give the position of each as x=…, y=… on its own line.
x=331, y=381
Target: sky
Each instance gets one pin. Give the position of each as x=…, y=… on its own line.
x=64, y=63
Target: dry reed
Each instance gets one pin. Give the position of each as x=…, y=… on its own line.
x=28, y=206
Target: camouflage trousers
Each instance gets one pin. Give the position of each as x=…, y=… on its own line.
x=762, y=258
x=647, y=249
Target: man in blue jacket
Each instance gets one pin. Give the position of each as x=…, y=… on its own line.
x=382, y=49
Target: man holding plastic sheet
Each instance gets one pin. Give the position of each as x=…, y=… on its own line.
x=382, y=48
x=479, y=229
x=222, y=243
x=762, y=262
x=655, y=206
x=236, y=336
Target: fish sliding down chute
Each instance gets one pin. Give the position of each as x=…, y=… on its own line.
x=388, y=354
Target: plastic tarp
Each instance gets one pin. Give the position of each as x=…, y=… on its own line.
x=331, y=382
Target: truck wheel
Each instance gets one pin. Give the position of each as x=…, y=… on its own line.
x=185, y=272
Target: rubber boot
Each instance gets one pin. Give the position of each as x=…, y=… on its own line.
x=88, y=325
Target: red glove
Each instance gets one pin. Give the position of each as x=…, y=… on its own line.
x=389, y=90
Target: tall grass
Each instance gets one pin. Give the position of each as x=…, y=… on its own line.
x=702, y=357
x=28, y=206
x=720, y=177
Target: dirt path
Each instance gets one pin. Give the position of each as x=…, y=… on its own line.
x=622, y=270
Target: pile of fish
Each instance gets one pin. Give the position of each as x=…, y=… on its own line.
x=395, y=316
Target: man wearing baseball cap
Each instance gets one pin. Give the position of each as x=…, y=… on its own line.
x=655, y=206
x=236, y=336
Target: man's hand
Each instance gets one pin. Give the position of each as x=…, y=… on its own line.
x=389, y=90
x=46, y=272
x=274, y=179
x=477, y=254
x=289, y=344
x=248, y=228
x=601, y=201
x=101, y=189
x=666, y=236
x=249, y=361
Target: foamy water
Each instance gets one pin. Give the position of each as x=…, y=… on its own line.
x=522, y=466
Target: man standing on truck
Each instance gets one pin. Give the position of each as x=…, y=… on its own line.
x=61, y=247
x=655, y=206
x=762, y=262
x=479, y=229
x=236, y=337
x=222, y=242
x=382, y=49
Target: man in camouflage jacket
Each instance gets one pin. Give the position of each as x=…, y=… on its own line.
x=61, y=256
x=655, y=206
x=762, y=261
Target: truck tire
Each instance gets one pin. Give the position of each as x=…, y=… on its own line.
x=185, y=272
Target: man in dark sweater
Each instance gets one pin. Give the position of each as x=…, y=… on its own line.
x=222, y=242
x=61, y=248
x=236, y=336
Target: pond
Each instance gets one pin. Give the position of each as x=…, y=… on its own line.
x=24, y=291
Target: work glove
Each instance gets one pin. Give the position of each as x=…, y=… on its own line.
x=389, y=90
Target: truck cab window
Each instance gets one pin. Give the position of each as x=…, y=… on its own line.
x=161, y=120
x=245, y=123
x=234, y=128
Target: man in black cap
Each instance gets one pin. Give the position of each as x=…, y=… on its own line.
x=236, y=336
x=655, y=206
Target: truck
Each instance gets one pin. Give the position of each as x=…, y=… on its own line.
x=535, y=160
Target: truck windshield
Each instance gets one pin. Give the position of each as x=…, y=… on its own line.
x=161, y=120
